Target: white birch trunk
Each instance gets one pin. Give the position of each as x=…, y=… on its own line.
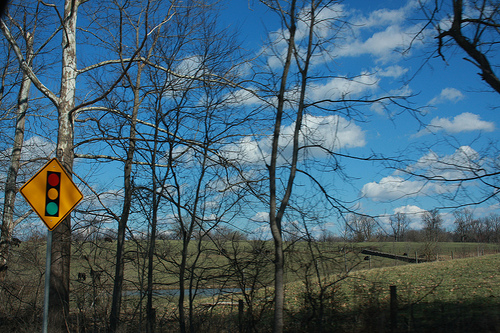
x=61, y=246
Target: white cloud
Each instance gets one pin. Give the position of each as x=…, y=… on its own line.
x=344, y=87
x=333, y=132
x=37, y=147
x=394, y=187
x=382, y=107
x=381, y=33
x=414, y=213
x=260, y=217
x=380, y=44
x=185, y=71
x=259, y=226
x=36, y=150
x=243, y=97
x=323, y=21
x=190, y=66
x=463, y=157
x=465, y=122
x=247, y=150
x=330, y=132
x=394, y=71
x=384, y=17
x=487, y=210
x=447, y=95
x=438, y=173
x=409, y=209
x=458, y=165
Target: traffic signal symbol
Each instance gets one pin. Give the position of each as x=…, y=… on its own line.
x=52, y=193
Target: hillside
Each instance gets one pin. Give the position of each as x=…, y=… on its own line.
x=461, y=295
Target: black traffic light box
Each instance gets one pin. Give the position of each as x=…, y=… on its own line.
x=52, y=193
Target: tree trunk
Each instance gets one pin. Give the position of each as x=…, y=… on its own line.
x=182, y=286
x=10, y=184
x=279, y=282
x=275, y=215
x=150, y=312
x=127, y=202
x=61, y=245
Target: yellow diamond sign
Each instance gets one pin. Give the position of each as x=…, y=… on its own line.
x=51, y=193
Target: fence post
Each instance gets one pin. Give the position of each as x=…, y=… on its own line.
x=345, y=261
x=394, y=308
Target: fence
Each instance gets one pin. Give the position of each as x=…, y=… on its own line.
x=414, y=308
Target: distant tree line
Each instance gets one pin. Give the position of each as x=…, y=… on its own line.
x=466, y=228
x=363, y=228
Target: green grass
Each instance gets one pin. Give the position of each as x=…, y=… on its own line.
x=461, y=292
x=443, y=280
x=450, y=296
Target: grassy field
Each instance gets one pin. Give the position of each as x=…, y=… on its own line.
x=331, y=287
x=447, y=295
x=452, y=296
x=461, y=295
x=336, y=258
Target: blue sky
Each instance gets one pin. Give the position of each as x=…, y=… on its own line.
x=457, y=118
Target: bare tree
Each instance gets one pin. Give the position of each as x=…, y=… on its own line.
x=432, y=225
x=8, y=222
x=277, y=207
x=65, y=104
x=473, y=27
x=463, y=219
x=295, y=47
x=63, y=22
x=144, y=18
x=494, y=222
x=471, y=229
x=322, y=266
x=399, y=223
x=179, y=160
x=361, y=228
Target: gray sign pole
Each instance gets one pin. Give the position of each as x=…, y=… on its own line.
x=47, y=283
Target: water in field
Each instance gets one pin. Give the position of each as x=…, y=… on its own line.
x=206, y=292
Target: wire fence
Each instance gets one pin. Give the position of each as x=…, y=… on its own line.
x=443, y=307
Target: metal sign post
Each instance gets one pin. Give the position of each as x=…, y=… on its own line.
x=53, y=196
x=47, y=283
